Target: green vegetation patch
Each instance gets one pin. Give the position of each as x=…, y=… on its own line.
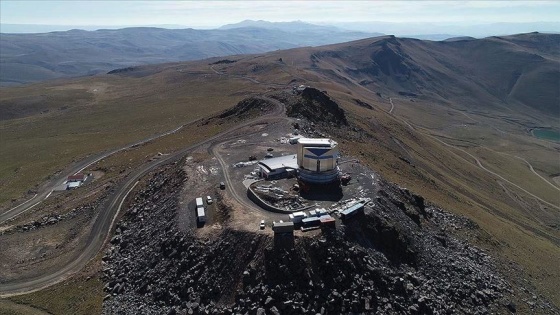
x=546, y=134
x=75, y=296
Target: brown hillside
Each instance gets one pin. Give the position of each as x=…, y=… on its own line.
x=497, y=72
x=450, y=121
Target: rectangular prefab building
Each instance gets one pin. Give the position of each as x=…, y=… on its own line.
x=327, y=221
x=296, y=217
x=79, y=177
x=283, y=227
x=311, y=221
x=352, y=211
x=318, y=212
x=278, y=167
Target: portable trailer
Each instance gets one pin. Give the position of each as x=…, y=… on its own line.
x=283, y=227
x=352, y=211
x=296, y=217
x=311, y=221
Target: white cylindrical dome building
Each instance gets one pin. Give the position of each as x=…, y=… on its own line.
x=317, y=160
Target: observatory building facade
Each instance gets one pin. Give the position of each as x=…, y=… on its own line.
x=317, y=160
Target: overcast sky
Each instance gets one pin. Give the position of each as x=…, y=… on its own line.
x=209, y=14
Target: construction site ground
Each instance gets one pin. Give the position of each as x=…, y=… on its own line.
x=205, y=171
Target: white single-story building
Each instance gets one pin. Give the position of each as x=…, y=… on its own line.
x=278, y=166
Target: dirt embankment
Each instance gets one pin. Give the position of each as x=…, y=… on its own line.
x=396, y=258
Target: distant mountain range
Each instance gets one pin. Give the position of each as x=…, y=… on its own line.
x=521, y=71
x=34, y=57
x=427, y=30
x=295, y=26
x=29, y=58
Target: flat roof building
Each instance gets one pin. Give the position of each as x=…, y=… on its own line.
x=283, y=227
x=327, y=221
x=317, y=142
x=352, y=210
x=278, y=166
x=312, y=221
x=79, y=177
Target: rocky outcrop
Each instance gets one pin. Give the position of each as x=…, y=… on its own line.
x=394, y=259
x=84, y=212
x=314, y=106
x=248, y=107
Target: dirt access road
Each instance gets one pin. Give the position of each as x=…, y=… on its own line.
x=236, y=190
x=47, y=188
x=105, y=218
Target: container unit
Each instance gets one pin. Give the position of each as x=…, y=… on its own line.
x=283, y=227
x=311, y=222
x=317, y=212
x=352, y=211
x=327, y=221
x=296, y=217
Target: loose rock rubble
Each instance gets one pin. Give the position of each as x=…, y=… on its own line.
x=85, y=211
x=396, y=258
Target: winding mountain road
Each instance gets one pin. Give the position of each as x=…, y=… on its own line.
x=47, y=188
x=244, y=201
x=106, y=217
x=479, y=164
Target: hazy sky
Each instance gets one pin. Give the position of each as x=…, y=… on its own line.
x=207, y=14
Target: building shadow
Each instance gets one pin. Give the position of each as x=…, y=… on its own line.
x=322, y=192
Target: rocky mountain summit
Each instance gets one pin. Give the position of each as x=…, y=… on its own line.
x=396, y=258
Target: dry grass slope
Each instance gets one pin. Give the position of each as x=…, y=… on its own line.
x=449, y=121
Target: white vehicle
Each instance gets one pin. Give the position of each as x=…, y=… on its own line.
x=262, y=225
x=209, y=200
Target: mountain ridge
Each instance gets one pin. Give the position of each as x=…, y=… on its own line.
x=29, y=58
x=450, y=121
x=508, y=69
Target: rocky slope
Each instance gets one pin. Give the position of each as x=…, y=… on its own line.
x=314, y=106
x=517, y=72
x=396, y=258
